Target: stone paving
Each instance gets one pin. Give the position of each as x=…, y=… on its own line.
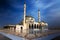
x=29, y=34
x=2, y=37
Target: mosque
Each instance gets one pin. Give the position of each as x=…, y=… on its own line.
x=29, y=22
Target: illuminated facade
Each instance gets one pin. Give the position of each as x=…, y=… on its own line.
x=30, y=23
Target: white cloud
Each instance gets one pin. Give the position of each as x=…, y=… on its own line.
x=49, y=5
x=53, y=13
x=40, y=4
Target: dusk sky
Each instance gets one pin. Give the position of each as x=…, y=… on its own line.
x=11, y=11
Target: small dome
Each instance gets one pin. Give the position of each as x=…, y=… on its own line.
x=29, y=16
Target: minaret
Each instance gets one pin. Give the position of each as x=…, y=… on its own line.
x=38, y=15
x=24, y=14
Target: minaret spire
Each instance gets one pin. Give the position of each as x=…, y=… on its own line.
x=24, y=1
x=38, y=15
x=24, y=14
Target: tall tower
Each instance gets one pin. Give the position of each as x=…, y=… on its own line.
x=38, y=15
x=24, y=15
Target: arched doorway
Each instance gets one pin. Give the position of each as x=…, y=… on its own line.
x=40, y=26
x=29, y=26
x=21, y=28
x=34, y=26
x=37, y=26
x=14, y=28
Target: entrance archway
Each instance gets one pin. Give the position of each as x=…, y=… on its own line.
x=29, y=26
x=21, y=28
x=34, y=26
x=37, y=26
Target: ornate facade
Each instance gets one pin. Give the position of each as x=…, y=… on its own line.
x=30, y=23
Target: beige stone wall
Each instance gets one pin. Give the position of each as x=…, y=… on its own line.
x=18, y=27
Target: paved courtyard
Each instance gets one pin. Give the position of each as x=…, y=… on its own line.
x=30, y=34
x=2, y=37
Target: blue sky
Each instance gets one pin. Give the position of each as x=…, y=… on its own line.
x=11, y=11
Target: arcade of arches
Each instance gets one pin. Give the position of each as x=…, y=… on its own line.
x=35, y=26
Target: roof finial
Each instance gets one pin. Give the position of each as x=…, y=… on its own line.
x=24, y=1
x=38, y=9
